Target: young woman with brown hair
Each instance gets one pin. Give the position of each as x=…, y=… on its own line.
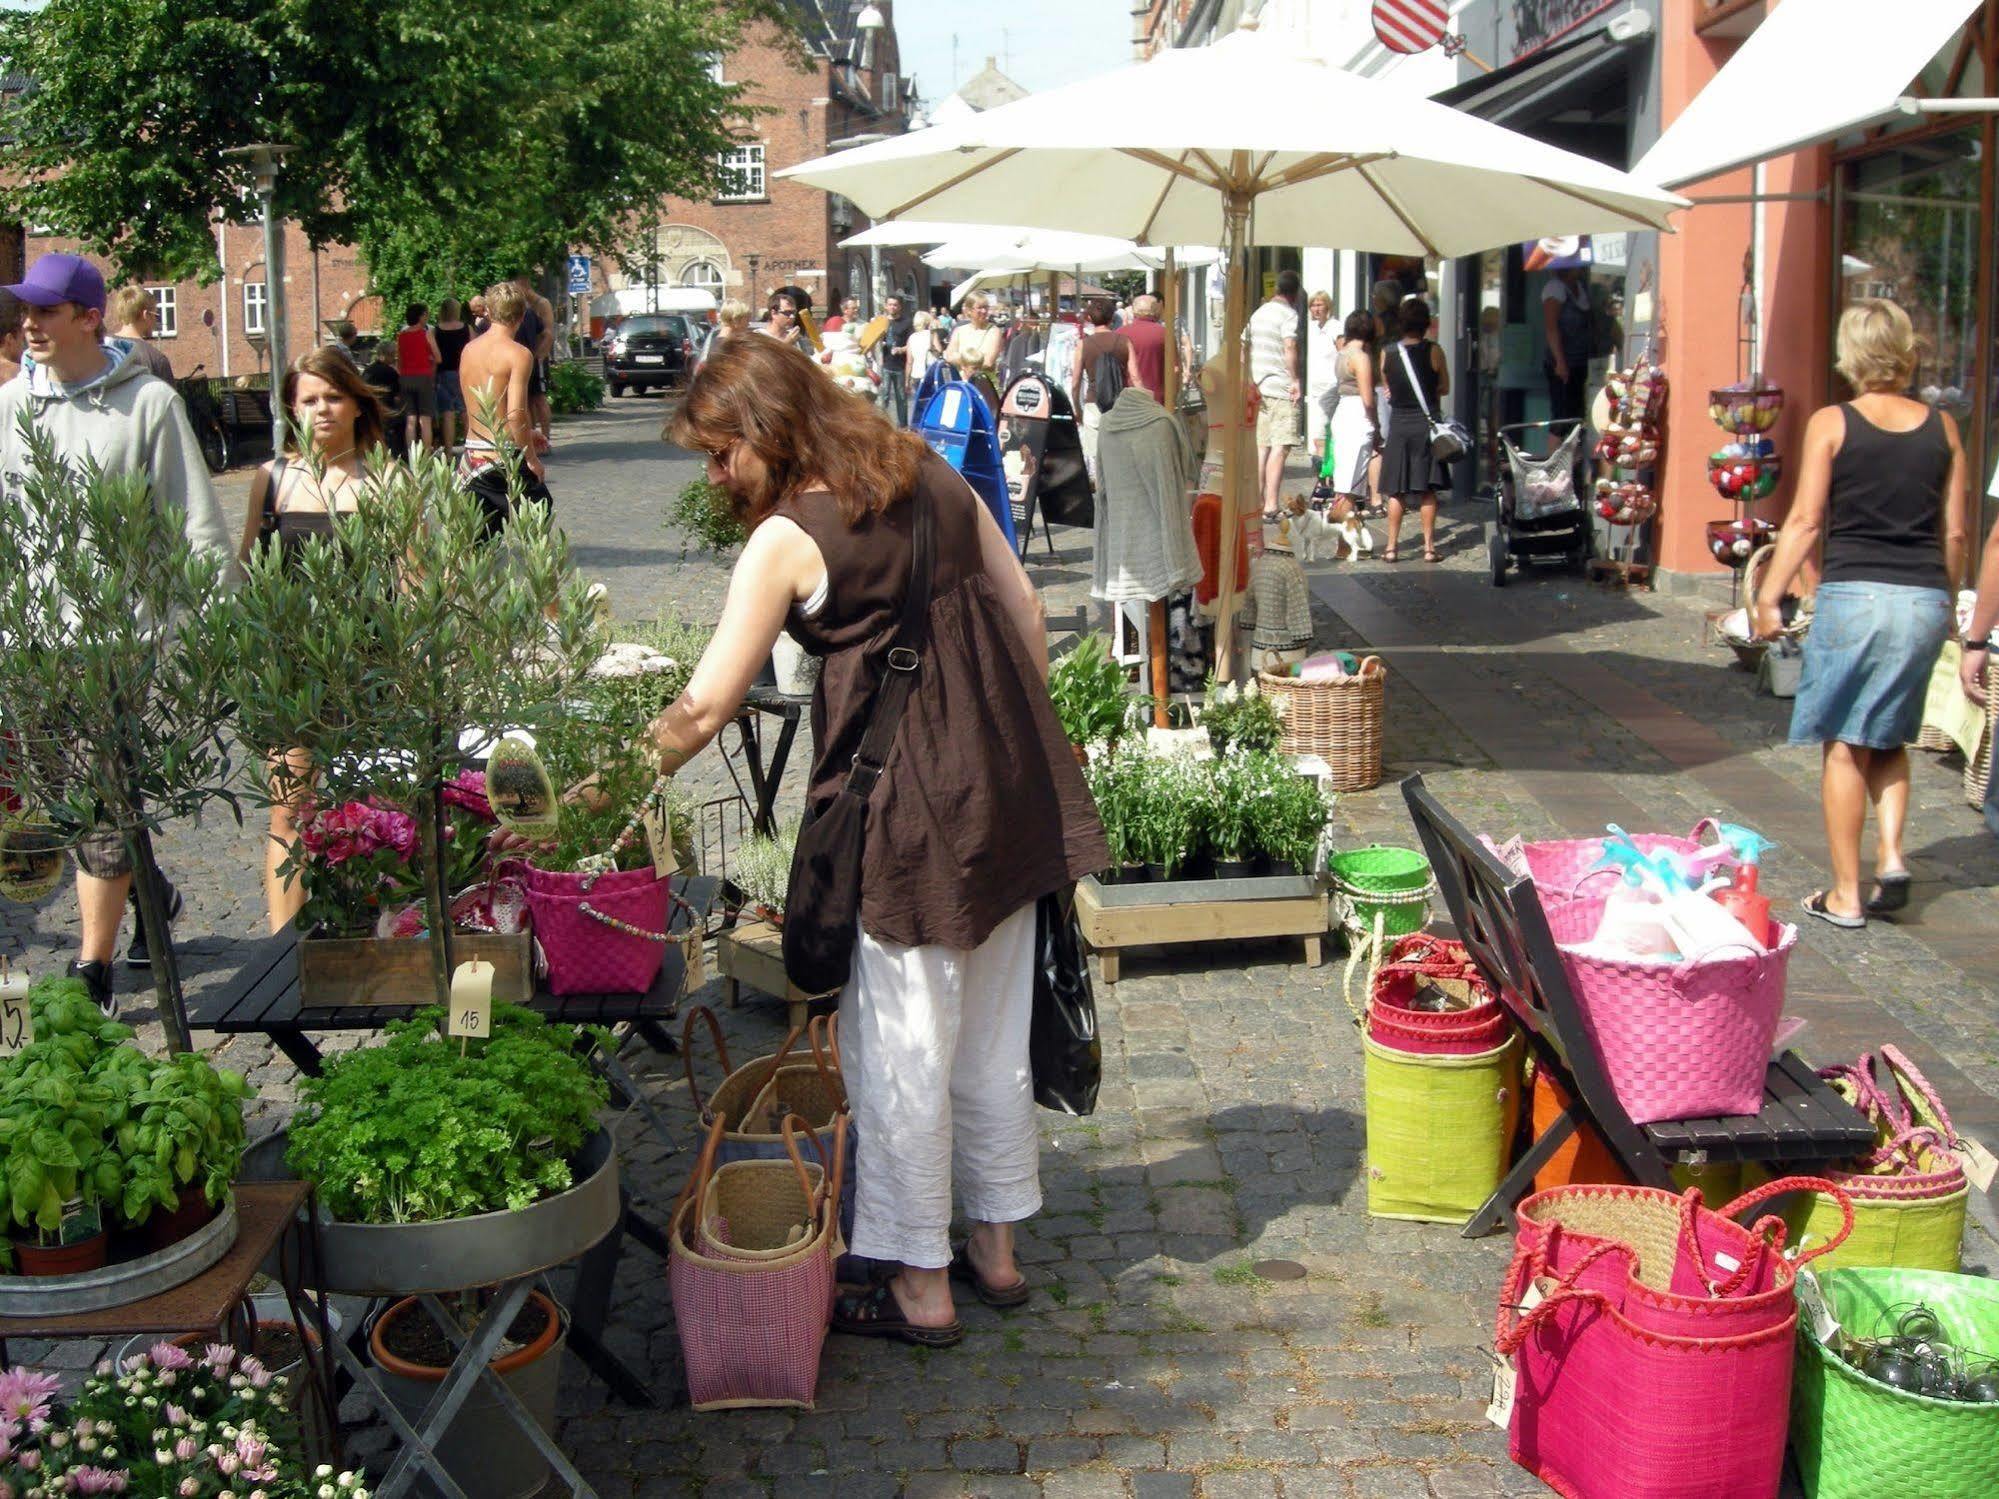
x=979, y=811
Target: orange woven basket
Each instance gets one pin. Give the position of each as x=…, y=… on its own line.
x=1339, y=721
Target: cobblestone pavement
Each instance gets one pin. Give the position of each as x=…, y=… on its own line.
x=1153, y=1360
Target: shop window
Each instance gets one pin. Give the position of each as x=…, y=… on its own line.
x=742, y=174
x=256, y=298
x=166, y=299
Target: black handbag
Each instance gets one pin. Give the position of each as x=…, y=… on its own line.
x=1063, y=1051
x=822, y=905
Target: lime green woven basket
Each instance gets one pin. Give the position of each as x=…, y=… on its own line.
x=1439, y=1130
x=1857, y=1438
x=1394, y=882
x=1924, y=1234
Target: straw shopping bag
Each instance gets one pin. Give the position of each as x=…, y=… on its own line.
x=1625, y=1390
x=1340, y=721
x=1439, y=1129
x=1857, y=1438
x=1683, y=1038
x=761, y=1210
x=751, y=1323
x=1474, y=1022
x=752, y=1099
x=1909, y=1194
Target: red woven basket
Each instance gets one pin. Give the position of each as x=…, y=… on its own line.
x=1418, y=959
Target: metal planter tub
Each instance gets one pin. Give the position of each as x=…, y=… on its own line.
x=125, y=1281
x=403, y=1259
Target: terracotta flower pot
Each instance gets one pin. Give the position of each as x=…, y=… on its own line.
x=62, y=1259
x=168, y=1226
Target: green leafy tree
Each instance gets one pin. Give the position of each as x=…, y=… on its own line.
x=451, y=142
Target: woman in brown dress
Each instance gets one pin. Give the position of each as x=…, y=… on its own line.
x=980, y=811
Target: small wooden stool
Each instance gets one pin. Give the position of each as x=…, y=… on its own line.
x=753, y=954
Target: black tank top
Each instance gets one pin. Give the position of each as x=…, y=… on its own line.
x=451, y=344
x=1401, y=396
x=528, y=334
x=1885, y=521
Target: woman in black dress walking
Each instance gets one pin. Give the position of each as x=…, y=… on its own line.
x=1409, y=475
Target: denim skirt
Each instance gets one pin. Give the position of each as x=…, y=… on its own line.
x=1868, y=660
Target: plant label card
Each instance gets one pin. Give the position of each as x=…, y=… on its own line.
x=17, y=1025
x=471, y=1012
x=659, y=838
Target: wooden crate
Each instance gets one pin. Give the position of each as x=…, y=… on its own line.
x=753, y=954
x=337, y=971
x=1195, y=916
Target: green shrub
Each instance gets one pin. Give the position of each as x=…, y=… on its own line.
x=1087, y=687
x=573, y=388
x=702, y=511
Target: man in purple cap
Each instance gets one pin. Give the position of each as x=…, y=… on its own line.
x=96, y=401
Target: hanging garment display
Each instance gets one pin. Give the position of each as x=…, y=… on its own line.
x=1145, y=536
x=1278, y=607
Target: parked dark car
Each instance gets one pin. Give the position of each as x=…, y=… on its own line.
x=648, y=350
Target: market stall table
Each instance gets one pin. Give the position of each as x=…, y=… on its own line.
x=266, y=1212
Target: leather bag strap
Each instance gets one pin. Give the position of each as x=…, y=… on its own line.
x=1415, y=385
x=905, y=653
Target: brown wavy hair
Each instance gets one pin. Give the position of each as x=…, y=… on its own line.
x=762, y=392
x=371, y=420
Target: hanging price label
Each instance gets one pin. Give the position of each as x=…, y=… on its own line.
x=1979, y=1163
x=1499, y=1411
x=659, y=838
x=1812, y=1307
x=471, y=1012
x=697, y=967
x=17, y=1025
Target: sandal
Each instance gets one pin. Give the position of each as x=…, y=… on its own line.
x=877, y=1314
x=1431, y=554
x=1002, y=1297
x=1391, y=555
x=1815, y=905
x=1891, y=893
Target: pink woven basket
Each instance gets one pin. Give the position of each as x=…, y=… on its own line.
x=603, y=934
x=1678, y=1040
x=1605, y=1408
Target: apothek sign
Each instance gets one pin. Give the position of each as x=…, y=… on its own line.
x=1540, y=23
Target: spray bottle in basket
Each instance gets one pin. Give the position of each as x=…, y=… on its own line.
x=1696, y=924
x=1631, y=912
x=1742, y=899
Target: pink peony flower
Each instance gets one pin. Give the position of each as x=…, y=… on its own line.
x=468, y=792
x=393, y=829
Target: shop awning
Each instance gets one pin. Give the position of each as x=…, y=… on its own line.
x=1813, y=70
x=1519, y=95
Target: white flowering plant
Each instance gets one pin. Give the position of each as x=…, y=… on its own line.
x=169, y=1423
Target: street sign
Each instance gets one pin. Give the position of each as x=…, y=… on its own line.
x=1410, y=25
x=579, y=275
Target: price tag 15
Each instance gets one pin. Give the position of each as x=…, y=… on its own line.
x=17, y=1025
x=659, y=838
x=471, y=1013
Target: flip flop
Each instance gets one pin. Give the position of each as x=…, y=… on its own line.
x=1815, y=905
x=1002, y=1297
x=877, y=1314
x=1891, y=893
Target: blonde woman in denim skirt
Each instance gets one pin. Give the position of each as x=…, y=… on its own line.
x=1882, y=485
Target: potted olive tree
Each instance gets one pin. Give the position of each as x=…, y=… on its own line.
x=111, y=716
x=376, y=656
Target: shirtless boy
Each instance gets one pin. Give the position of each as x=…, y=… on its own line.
x=495, y=373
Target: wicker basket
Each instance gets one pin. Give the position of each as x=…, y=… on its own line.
x=1339, y=721
x=1978, y=769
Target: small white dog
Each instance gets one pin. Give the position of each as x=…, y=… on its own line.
x=1318, y=537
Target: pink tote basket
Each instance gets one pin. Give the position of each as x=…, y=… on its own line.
x=1678, y=1040
x=589, y=929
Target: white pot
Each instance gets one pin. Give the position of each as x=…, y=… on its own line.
x=797, y=672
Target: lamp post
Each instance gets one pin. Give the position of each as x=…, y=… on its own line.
x=264, y=159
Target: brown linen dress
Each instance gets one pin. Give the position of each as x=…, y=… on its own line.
x=982, y=807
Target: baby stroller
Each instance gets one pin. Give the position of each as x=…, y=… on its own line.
x=1540, y=502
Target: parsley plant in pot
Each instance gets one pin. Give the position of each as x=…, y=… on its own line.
x=451, y=1166
x=376, y=654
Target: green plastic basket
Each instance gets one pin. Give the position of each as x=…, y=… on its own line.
x=1393, y=882
x=1857, y=1438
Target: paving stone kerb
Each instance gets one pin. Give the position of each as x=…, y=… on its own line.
x=1151, y=1362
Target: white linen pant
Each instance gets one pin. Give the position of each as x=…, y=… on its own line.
x=933, y=1045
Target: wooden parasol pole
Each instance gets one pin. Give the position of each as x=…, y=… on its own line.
x=1171, y=313
x=1235, y=255
x=1156, y=622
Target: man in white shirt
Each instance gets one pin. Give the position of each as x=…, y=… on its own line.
x=1273, y=366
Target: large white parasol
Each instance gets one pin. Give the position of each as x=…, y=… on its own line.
x=1246, y=139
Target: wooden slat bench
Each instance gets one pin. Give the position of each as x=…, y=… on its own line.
x=1499, y=918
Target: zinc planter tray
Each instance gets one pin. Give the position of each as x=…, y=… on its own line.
x=1114, y=917
x=125, y=1281
x=1183, y=892
x=404, y=1259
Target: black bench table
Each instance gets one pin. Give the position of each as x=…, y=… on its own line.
x=1498, y=917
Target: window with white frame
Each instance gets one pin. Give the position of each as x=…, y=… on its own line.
x=256, y=299
x=715, y=68
x=891, y=91
x=704, y=274
x=166, y=302
x=742, y=174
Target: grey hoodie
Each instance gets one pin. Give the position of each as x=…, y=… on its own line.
x=130, y=421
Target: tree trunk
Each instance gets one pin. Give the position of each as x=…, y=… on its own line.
x=147, y=886
x=436, y=901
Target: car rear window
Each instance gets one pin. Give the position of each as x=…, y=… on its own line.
x=650, y=323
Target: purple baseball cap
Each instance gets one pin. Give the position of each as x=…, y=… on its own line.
x=61, y=278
